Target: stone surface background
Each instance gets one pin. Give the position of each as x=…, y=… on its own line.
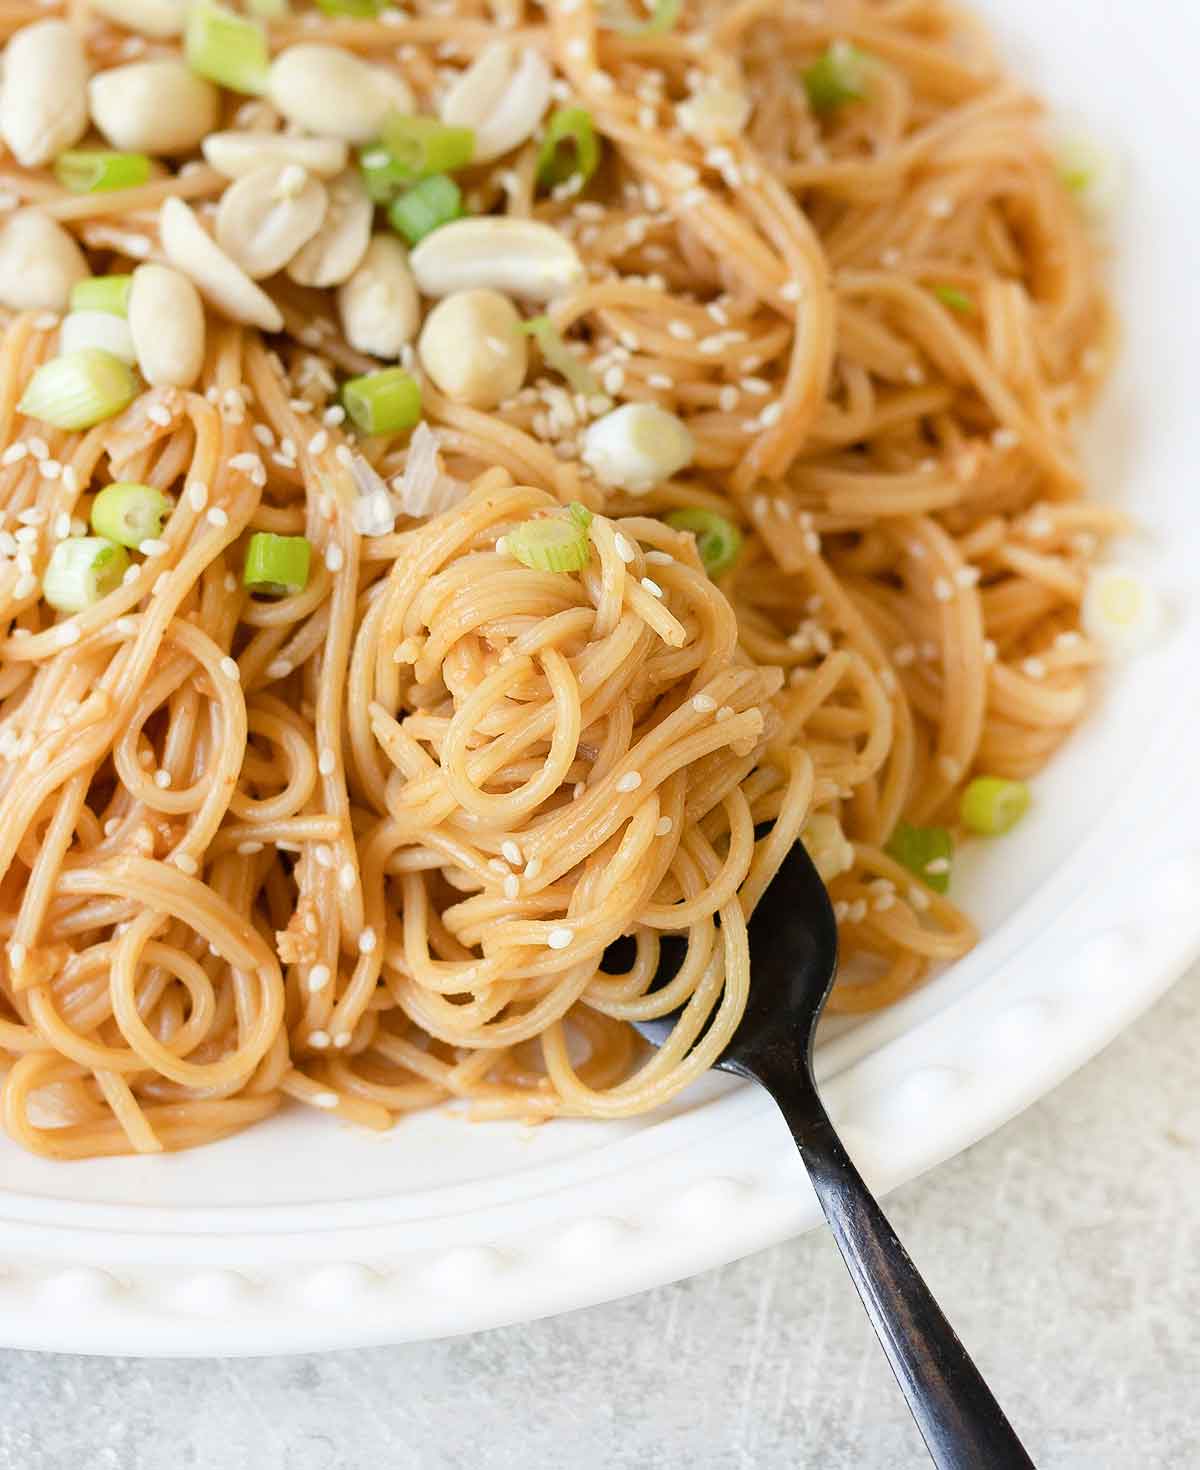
x=1066, y=1250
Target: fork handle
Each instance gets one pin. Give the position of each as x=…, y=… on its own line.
x=963, y=1426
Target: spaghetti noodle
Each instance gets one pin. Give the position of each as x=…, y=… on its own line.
x=363, y=846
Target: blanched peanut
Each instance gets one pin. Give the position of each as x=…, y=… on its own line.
x=221, y=281
x=473, y=348
x=153, y=106
x=43, y=108
x=333, y=93
x=265, y=218
x=39, y=263
x=637, y=447
x=502, y=95
x=236, y=154
x=521, y=257
x=378, y=304
x=166, y=322
x=335, y=252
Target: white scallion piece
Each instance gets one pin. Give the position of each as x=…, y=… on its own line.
x=1121, y=610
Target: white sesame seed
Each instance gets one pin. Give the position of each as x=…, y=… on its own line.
x=367, y=941
x=278, y=669
x=652, y=587
x=723, y=713
x=249, y=848
x=560, y=937
x=215, y=516
x=327, y=1100
x=162, y=779
x=342, y=1040
x=941, y=206
x=326, y=762
x=703, y=704
x=347, y=877
x=533, y=867
x=938, y=865
x=62, y=526
x=1005, y=439
x=334, y=558
x=318, y=1040
x=152, y=546
x=323, y=855
x=681, y=331
x=319, y=977
x=1034, y=667
x=159, y=414
x=663, y=826
x=966, y=576
x=38, y=447
x=502, y=545
x=16, y=954
x=511, y=886
x=25, y=586
x=197, y=494
x=943, y=589
x=660, y=558
x=186, y=863
x=630, y=781
x=229, y=668
x=512, y=852
x=624, y=547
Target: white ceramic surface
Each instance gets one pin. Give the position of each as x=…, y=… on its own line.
x=304, y=1234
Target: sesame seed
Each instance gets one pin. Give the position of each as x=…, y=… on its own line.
x=943, y=589
x=624, y=547
x=703, y=704
x=652, y=587
x=533, y=867
x=511, y=886
x=1034, y=667
x=318, y=1040
x=16, y=954
x=62, y=525
x=334, y=558
x=197, y=494
x=727, y=399
x=512, y=852
x=1003, y=439
x=660, y=381
x=38, y=447
x=229, y=668
x=950, y=768
x=989, y=651
x=630, y=781
x=217, y=517
x=186, y=863
x=326, y=762
x=328, y=1100
x=723, y=713
x=560, y=937
x=152, y=546
x=681, y=331
x=367, y=941
x=347, y=877
x=660, y=558
x=319, y=977
x=323, y=854
x=249, y=848
x=771, y=415
x=25, y=586
x=162, y=779
x=663, y=826
x=967, y=576
x=941, y=206
x=159, y=414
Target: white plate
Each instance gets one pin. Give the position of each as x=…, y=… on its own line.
x=304, y=1234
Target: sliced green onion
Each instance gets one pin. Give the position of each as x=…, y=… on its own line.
x=130, y=513
x=426, y=207
x=955, y=299
x=835, y=78
x=992, y=806
x=550, y=545
x=95, y=171
x=580, y=514
x=82, y=570
x=420, y=146
x=718, y=541
x=569, y=147
x=277, y=565
x=925, y=851
x=79, y=389
x=226, y=48
x=558, y=355
x=102, y=293
x=384, y=402
x=363, y=9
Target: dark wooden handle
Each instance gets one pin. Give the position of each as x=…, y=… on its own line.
x=963, y=1426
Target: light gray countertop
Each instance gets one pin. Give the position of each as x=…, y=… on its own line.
x=1066, y=1250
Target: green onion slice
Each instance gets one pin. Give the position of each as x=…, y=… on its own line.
x=95, y=171
x=718, y=541
x=385, y=402
x=426, y=207
x=835, y=78
x=130, y=513
x=992, y=806
x=955, y=299
x=102, y=293
x=82, y=570
x=557, y=355
x=226, y=48
x=420, y=146
x=569, y=147
x=552, y=544
x=79, y=389
x=362, y=9
x=925, y=851
x=277, y=565
x=580, y=514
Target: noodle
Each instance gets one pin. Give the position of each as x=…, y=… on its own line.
x=365, y=847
